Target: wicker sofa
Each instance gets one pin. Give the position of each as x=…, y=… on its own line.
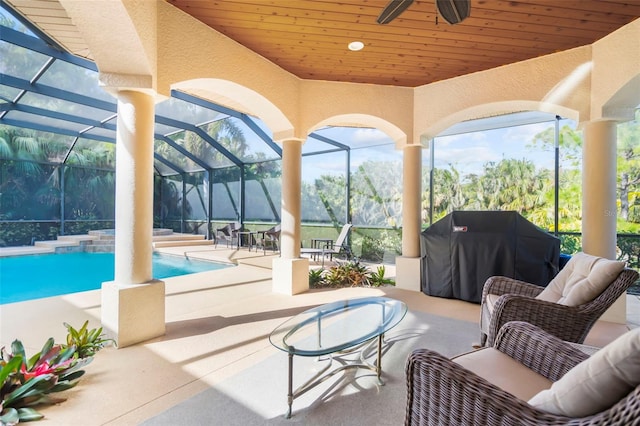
x=494, y=385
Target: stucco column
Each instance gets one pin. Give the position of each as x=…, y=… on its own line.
x=291, y=204
x=133, y=304
x=408, y=265
x=599, y=208
x=290, y=272
x=134, y=188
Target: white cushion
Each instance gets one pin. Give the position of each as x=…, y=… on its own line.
x=491, y=300
x=596, y=383
x=582, y=279
x=504, y=372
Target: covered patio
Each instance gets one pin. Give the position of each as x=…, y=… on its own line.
x=218, y=325
x=140, y=62
x=192, y=333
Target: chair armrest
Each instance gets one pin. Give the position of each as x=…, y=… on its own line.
x=539, y=351
x=499, y=285
x=565, y=322
x=440, y=392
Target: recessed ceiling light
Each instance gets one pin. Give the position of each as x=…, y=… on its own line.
x=356, y=45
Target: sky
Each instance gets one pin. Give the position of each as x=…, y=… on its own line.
x=468, y=152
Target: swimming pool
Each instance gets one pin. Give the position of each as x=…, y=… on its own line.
x=44, y=275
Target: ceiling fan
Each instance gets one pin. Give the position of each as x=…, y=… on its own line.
x=452, y=11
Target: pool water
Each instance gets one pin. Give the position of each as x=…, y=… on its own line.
x=36, y=276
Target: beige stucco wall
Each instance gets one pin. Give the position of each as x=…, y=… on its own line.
x=385, y=107
x=208, y=64
x=536, y=84
x=577, y=83
x=616, y=74
x=207, y=56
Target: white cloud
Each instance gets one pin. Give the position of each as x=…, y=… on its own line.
x=467, y=160
x=368, y=136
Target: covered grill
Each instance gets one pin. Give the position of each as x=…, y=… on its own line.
x=463, y=249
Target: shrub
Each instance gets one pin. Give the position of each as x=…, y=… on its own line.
x=87, y=342
x=348, y=274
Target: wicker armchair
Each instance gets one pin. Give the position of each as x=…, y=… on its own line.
x=442, y=392
x=517, y=302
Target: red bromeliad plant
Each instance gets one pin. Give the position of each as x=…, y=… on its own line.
x=27, y=382
x=51, y=360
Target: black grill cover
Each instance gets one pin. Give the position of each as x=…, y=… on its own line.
x=463, y=249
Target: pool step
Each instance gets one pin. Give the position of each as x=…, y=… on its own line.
x=55, y=243
x=176, y=236
x=101, y=241
x=78, y=239
x=100, y=246
x=178, y=239
x=24, y=250
x=175, y=243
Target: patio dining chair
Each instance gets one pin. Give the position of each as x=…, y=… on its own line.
x=269, y=237
x=568, y=307
x=228, y=234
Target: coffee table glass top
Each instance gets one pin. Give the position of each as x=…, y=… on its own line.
x=337, y=326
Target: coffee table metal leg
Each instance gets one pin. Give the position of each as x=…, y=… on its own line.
x=290, y=394
x=320, y=376
x=379, y=363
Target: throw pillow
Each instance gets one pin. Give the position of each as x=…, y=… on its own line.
x=596, y=383
x=582, y=279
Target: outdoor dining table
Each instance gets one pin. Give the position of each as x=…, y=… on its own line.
x=245, y=236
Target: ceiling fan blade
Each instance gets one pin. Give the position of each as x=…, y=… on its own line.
x=454, y=11
x=393, y=9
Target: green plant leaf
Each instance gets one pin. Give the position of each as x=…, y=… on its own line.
x=67, y=353
x=94, y=335
x=62, y=386
x=83, y=329
x=35, y=398
x=29, y=414
x=18, y=349
x=10, y=417
x=73, y=334
x=78, y=365
x=29, y=388
x=75, y=375
x=48, y=345
x=10, y=367
x=31, y=362
x=50, y=355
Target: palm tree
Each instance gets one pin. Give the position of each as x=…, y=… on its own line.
x=513, y=185
x=629, y=169
x=448, y=193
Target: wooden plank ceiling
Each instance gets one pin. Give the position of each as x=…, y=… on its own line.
x=309, y=38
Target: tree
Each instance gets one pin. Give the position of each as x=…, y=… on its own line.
x=511, y=185
x=569, y=143
x=629, y=169
x=447, y=192
x=377, y=193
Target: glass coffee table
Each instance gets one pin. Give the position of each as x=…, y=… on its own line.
x=343, y=327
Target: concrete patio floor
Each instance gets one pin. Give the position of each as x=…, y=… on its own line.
x=218, y=324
